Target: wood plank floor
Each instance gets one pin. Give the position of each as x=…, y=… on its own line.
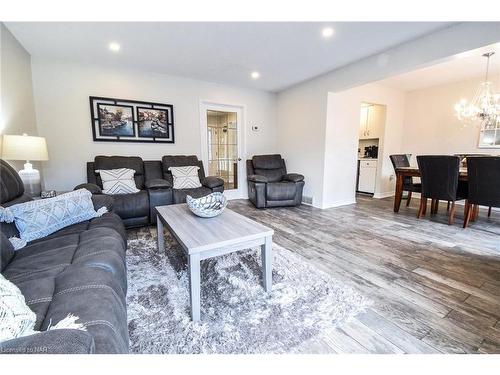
x=436, y=288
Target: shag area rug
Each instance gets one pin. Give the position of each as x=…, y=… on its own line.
x=237, y=316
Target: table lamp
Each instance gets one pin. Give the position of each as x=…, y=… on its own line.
x=24, y=147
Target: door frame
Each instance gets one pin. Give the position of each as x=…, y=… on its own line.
x=240, y=109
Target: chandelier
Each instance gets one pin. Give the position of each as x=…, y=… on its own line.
x=484, y=108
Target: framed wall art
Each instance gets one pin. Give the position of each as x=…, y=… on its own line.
x=122, y=120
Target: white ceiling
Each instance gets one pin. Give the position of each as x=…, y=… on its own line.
x=285, y=53
x=467, y=65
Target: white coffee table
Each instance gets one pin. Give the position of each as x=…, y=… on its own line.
x=203, y=238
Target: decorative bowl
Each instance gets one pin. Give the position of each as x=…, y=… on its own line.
x=208, y=206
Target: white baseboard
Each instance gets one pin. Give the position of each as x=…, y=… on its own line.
x=386, y=194
x=337, y=204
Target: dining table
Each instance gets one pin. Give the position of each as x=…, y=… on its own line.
x=402, y=172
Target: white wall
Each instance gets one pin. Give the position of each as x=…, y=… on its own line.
x=302, y=109
x=430, y=123
x=17, y=115
x=341, y=141
x=62, y=93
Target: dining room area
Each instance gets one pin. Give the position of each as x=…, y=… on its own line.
x=443, y=161
x=470, y=181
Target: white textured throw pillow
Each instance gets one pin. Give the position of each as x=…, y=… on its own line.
x=185, y=177
x=118, y=181
x=16, y=318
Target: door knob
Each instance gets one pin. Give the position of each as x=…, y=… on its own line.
x=239, y=159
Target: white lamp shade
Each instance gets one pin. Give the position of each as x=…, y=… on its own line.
x=24, y=147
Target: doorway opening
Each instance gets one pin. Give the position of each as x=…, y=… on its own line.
x=222, y=133
x=222, y=144
x=371, y=130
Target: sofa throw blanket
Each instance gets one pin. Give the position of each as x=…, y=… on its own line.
x=118, y=181
x=185, y=177
x=17, y=319
x=39, y=218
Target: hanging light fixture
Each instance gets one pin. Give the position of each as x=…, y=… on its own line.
x=484, y=108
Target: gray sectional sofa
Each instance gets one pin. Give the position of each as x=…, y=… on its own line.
x=78, y=270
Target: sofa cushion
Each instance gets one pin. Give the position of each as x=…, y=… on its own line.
x=93, y=294
x=115, y=162
x=267, y=162
x=34, y=269
x=131, y=205
x=108, y=220
x=42, y=259
x=281, y=191
x=180, y=194
x=11, y=185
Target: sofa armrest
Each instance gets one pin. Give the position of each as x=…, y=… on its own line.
x=293, y=177
x=212, y=182
x=257, y=178
x=56, y=341
x=102, y=200
x=93, y=188
x=157, y=183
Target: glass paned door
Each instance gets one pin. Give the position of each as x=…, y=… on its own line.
x=222, y=137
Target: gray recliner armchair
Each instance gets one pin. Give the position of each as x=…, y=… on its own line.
x=269, y=184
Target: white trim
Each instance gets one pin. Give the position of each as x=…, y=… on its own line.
x=386, y=194
x=240, y=109
x=337, y=204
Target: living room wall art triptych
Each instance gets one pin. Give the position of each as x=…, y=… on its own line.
x=121, y=120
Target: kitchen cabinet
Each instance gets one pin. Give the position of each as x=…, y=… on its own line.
x=372, y=121
x=367, y=176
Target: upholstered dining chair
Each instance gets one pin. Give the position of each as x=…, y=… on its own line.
x=401, y=160
x=439, y=175
x=484, y=185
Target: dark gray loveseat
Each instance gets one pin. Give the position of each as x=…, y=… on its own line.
x=154, y=180
x=78, y=270
x=269, y=184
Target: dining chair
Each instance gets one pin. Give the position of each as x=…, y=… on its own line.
x=439, y=175
x=399, y=161
x=484, y=185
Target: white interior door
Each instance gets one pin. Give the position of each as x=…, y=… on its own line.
x=222, y=145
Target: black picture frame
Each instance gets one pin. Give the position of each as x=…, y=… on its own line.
x=99, y=135
x=158, y=130
x=112, y=127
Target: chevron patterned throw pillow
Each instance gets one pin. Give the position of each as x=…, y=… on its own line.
x=118, y=181
x=185, y=177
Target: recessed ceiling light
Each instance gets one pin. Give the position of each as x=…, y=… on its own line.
x=115, y=47
x=327, y=32
x=255, y=75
